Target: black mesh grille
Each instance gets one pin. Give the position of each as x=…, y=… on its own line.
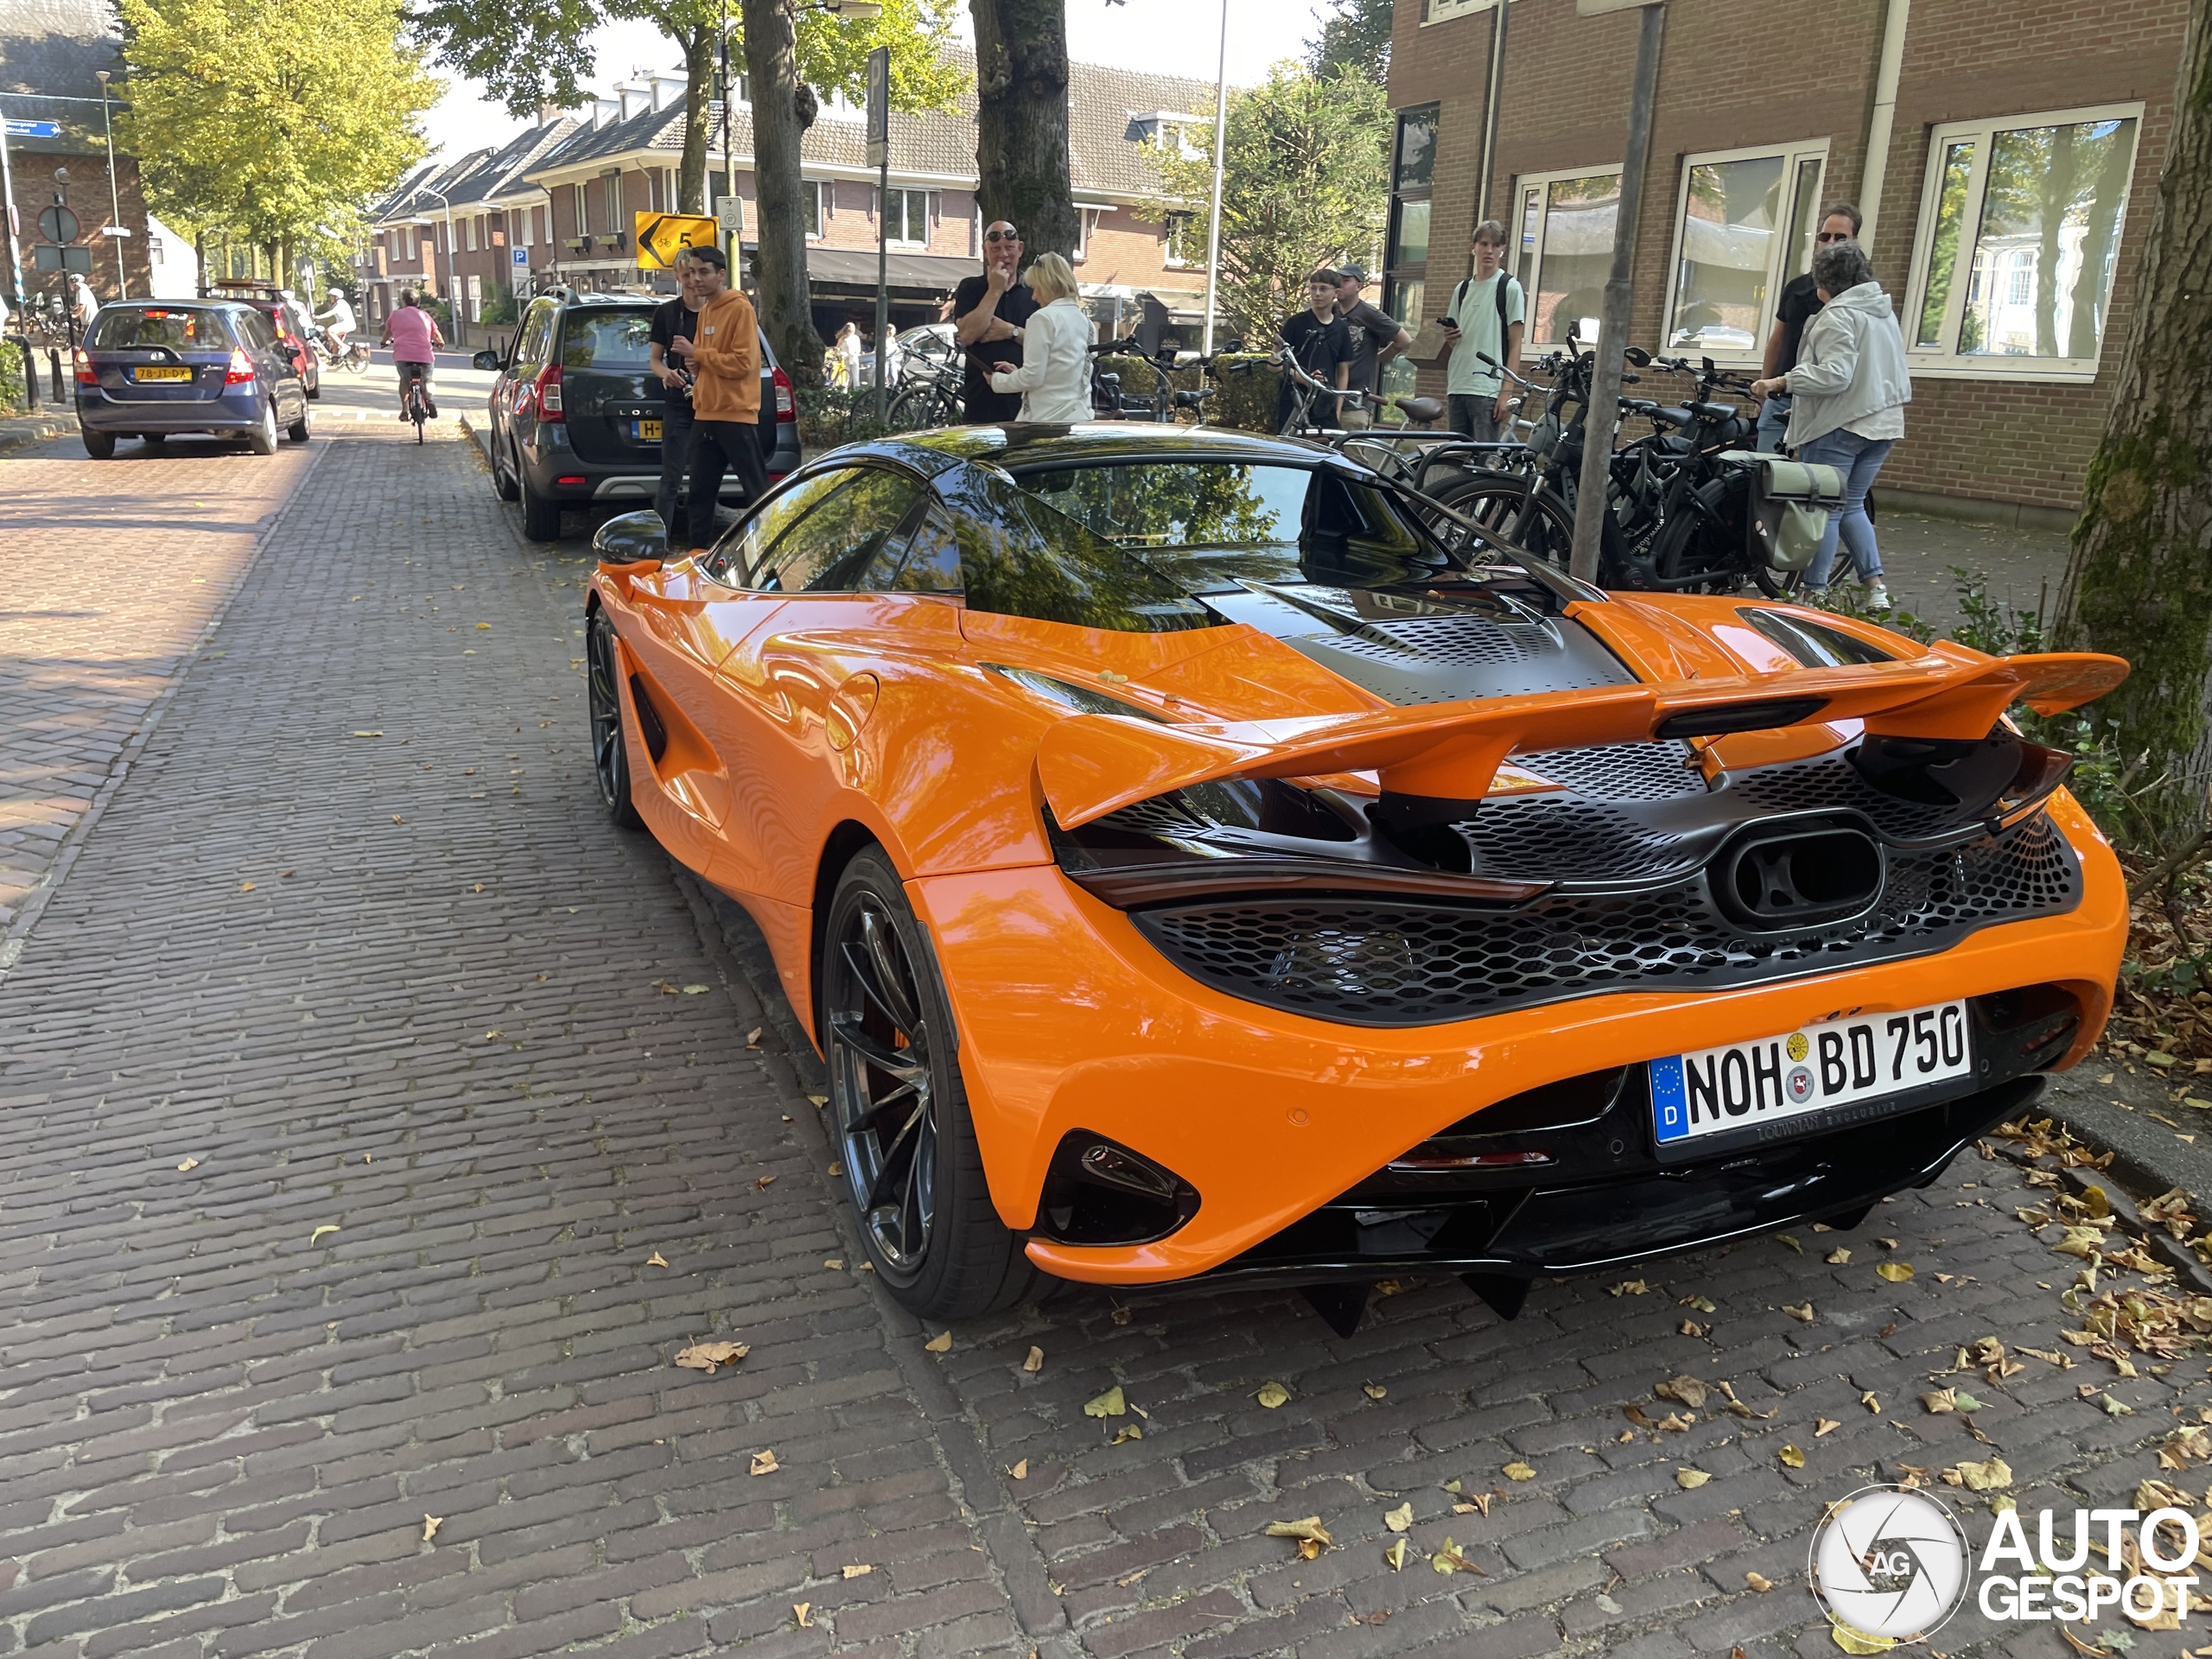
x=1461, y=640
x=1830, y=781
x=1565, y=838
x=1362, y=963
x=1620, y=772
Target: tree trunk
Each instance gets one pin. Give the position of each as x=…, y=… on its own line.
x=698, y=119
x=1021, y=121
x=781, y=110
x=2139, y=580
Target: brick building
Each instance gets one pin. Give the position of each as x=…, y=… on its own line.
x=2005, y=156
x=564, y=196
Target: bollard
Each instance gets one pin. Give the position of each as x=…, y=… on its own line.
x=30, y=374
x=53, y=359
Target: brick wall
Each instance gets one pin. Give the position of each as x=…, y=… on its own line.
x=90, y=200
x=1722, y=86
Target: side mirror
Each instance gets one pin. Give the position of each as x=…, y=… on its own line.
x=630, y=537
x=486, y=360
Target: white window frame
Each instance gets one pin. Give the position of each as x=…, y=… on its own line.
x=1169, y=258
x=1523, y=183
x=1942, y=363
x=883, y=211
x=1443, y=11
x=1777, y=261
x=1085, y=221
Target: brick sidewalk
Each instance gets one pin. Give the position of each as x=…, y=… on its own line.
x=409, y=986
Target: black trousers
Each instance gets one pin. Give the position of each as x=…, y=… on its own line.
x=675, y=468
x=720, y=446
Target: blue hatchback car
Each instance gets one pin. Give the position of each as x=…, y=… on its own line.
x=150, y=368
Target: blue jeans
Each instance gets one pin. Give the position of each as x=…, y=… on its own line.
x=1859, y=460
x=1774, y=421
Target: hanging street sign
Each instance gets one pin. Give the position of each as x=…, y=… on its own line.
x=662, y=237
x=19, y=128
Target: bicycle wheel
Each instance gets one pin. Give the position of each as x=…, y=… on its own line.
x=1706, y=541
x=1499, y=503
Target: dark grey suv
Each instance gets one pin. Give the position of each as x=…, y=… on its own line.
x=576, y=412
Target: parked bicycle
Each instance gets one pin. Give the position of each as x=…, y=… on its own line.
x=930, y=393
x=1112, y=402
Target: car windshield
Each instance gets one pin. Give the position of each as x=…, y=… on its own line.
x=1206, y=523
x=179, y=328
x=608, y=339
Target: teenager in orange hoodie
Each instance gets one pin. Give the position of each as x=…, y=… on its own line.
x=724, y=353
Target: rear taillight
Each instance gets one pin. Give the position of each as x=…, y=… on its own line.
x=786, y=408
x=241, y=370
x=548, y=394
x=85, y=375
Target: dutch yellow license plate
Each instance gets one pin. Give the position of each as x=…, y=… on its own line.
x=161, y=374
x=648, y=431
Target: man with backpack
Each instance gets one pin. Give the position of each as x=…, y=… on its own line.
x=1486, y=317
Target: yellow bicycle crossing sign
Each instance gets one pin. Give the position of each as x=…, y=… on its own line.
x=662, y=237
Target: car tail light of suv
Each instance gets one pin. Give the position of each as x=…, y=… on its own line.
x=240, y=372
x=548, y=389
x=786, y=409
x=86, y=376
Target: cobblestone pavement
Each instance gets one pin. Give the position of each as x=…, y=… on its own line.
x=381, y=1124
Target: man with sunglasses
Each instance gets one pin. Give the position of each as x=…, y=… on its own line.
x=988, y=314
x=1799, y=305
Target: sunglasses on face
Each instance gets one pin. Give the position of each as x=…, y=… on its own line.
x=1827, y=236
x=1002, y=236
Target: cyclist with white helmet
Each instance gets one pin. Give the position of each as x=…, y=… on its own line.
x=337, y=322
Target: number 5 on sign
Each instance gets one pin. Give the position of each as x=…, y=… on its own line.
x=662, y=237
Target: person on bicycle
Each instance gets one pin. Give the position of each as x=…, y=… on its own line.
x=412, y=333
x=1486, y=318
x=337, y=322
x=84, y=304
x=1320, y=342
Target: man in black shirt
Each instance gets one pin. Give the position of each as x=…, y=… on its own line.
x=1376, y=337
x=988, y=313
x=1321, y=341
x=678, y=317
x=1798, y=306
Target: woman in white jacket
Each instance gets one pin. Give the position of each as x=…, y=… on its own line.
x=1054, y=375
x=1849, y=391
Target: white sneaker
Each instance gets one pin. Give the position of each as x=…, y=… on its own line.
x=1878, y=595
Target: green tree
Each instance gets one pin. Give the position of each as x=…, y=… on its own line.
x=1354, y=36
x=2139, y=581
x=1307, y=182
x=271, y=120
x=532, y=53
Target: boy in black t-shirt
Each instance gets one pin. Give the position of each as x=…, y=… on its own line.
x=678, y=317
x=1321, y=341
x=988, y=313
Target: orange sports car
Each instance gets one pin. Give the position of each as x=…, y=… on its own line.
x=1195, y=855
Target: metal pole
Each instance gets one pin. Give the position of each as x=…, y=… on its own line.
x=114, y=194
x=1220, y=148
x=882, y=284
x=8, y=211
x=1490, y=110
x=1603, y=420
x=736, y=237
x=453, y=292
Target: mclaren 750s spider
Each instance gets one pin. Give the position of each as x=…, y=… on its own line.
x=1195, y=855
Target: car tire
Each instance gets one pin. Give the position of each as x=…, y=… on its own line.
x=297, y=431
x=898, y=1110
x=541, y=516
x=263, y=438
x=100, y=446
x=503, y=481
x=610, y=749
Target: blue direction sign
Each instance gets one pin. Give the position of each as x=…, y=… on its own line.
x=18, y=128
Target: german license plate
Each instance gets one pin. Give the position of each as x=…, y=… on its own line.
x=1861, y=1061
x=161, y=374
x=648, y=431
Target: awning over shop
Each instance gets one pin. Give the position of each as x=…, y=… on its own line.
x=924, y=273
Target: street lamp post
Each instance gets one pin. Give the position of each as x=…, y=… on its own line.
x=452, y=289
x=1220, y=144
x=115, y=227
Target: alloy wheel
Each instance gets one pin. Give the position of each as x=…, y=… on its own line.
x=608, y=764
x=884, y=1089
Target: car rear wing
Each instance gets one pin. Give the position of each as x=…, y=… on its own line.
x=1436, y=763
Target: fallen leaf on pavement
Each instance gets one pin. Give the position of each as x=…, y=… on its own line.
x=326, y=1227
x=1792, y=1242
x=245, y=886
x=430, y=1525
x=1803, y=1313
x=1690, y=1479
x=1396, y=1556
x=1109, y=1404
x=1824, y=1426
x=1448, y=1560
x=1121, y=1316
x=1128, y=1432
x=1872, y=1404
x=1020, y=1470
x=762, y=1183
x=656, y=1260
x=1981, y=1477
x=1308, y=1531
x=1519, y=1472
x=1373, y=1391
x=1966, y=1401
x=752, y=1037
x=1629, y=1287
x=1839, y=1257
x=860, y=1571
x=1687, y=1389
x=1035, y=1363
x=706, y=1356
x=1272, y=1395
x=1481, y=1502
x=375, y=733
x=940, y=1343
x=1760, y=1582
x=1792, y=1456
x=764, y=1463
x=1691, y=1328
x=1400, y=1518
x=188, y=1166
x=1896, y=1272
x=835, y=1262
x=818, y=1100
x=1703, y=1304
x=396, y=819
x=1851, y=1642
x=804, y=1612
x=694, y=991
